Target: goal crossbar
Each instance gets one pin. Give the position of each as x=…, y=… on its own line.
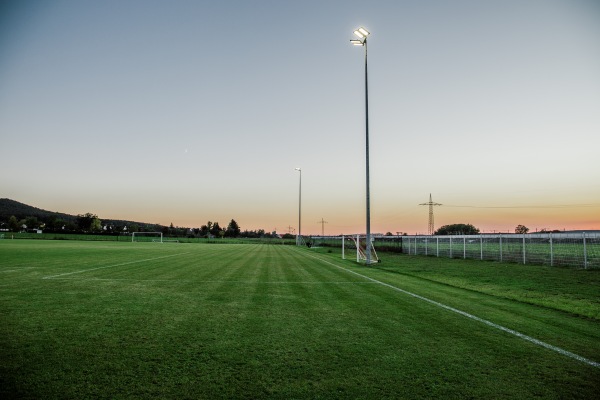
x=147, y=237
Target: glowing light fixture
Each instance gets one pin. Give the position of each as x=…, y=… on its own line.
x=362, y=32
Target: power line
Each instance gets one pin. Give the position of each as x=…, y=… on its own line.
x=531, y=206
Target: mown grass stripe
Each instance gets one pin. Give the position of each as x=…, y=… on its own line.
x=248, y=282
x=470, y=316
x=112, y=266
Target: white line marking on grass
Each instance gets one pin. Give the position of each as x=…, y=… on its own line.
x=473, y=317
x=111, y=266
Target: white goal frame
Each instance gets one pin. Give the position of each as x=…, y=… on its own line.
x=158, y=236
x=360, y=249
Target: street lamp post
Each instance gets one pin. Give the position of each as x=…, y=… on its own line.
x=362, y=34
x=299, y=236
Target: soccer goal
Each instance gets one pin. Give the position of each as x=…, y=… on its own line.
x=361, y=248
x=147, y=237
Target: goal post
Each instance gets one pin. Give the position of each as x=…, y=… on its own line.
x=156, y=237
x=360, y=245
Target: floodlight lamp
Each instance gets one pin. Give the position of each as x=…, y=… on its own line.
x=362, y=33
x=357, y=42
x=298, y=169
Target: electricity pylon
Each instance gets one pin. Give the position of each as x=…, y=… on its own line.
x=322, y=222
x=430, y=228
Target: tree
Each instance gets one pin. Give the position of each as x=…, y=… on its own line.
x=457, y=229
x=54, y=223
x=215, y=229
x=205, y=230
x=84, y=221
x=32, y=222
x=13, y=223
x=96, y=225
x=521, y=229
x=233, y=229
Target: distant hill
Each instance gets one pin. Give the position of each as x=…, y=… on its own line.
x=10, y=207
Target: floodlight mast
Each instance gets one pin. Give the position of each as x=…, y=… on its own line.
x=299, y=236
x=362, y=34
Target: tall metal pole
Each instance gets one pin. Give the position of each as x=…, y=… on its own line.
x=362, y=33
x=299, y=236
x=368, y=247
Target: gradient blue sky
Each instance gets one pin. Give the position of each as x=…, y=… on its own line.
x=188, y=111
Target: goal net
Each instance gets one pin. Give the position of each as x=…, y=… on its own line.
x=147, y=237
x=360, y=244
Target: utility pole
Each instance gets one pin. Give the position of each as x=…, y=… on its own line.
x=322, y=222
x=430, y=228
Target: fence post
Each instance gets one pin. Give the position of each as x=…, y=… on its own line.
x=437, y=246
x=450, y=246
x=500, y=247
x=585, y=263
x=524, y=258
x=551, y=251
x=464, y=247
x=481, y=247
x=425, y=246
x=343, y=243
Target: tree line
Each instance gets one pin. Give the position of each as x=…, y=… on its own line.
x=90, y=223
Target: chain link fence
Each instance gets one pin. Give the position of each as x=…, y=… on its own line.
x=554, y=249
x=581, y=249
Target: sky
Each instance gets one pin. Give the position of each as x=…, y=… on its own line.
x=185, y=112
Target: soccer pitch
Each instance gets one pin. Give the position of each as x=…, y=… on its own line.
x=151, y=320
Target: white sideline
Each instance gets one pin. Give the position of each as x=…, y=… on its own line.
x=471, y=316
x=111, y=266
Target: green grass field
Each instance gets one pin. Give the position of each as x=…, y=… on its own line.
x=148, y=320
